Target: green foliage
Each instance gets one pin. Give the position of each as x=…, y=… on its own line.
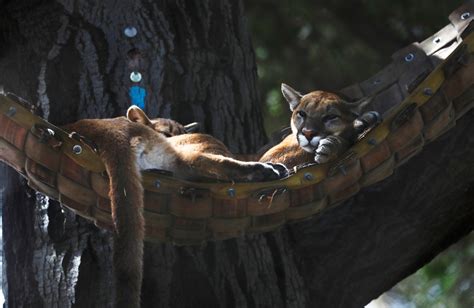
x=447, y=281
x=328, y=45
x=331, y=44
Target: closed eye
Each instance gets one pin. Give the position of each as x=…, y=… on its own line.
x=302, y=114
x=330, y=117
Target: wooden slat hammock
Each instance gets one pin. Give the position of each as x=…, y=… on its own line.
x=421, y=93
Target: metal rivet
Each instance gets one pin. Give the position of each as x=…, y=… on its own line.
x=11, y=111
x=437, y=40
x=130, y=31
x=231, y=192
x=308, y=176
x=135, y=77
x=372, y=141
x=77, y=149
x=427, y=91
x=157, y=183
x=409, y=57
x=465, y=15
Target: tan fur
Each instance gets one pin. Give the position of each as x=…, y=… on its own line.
x=287, y=152
x=201, y=156
x=120, y=142
x=167, y=127
x=323, y=127
x=127, y=146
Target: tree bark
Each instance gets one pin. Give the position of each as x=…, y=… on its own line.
x=73, y=60
x=353, y=253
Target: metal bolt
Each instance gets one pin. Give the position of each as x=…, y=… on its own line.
x=77, y=149
x=465, y=15
x=130, y=31
x=135, y=76
x=372, y=141
x=437, y=40
x=231, y=192
x=409, y=57
x=427, y=91
x=157, y=183
x=308, y=176
x=11, y=111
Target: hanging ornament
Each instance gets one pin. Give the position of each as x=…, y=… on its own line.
x=130, y=32
x=135, y=76
x=137, y=96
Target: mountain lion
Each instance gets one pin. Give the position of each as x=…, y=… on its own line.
x=128, y=145
x=323, y=126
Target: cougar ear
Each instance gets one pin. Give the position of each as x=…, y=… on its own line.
x=135, y=114
x=360, y=106
x=192, y=127
x=292, y=96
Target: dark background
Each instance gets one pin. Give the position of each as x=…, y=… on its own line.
x=307, y=44
x=331, y=44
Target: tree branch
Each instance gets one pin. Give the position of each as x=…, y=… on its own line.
x=356, y=251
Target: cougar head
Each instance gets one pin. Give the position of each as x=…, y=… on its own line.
x=166, y=127
x=319, y=114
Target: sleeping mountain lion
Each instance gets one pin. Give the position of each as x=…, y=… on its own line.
x=323, y=127
x=130, y=144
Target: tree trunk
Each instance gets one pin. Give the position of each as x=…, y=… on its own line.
x=74, y=60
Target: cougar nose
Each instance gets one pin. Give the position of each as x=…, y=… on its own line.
x=309, y=133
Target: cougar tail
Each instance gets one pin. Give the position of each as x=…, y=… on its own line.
x=126, y=195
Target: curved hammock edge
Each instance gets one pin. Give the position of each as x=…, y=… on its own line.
x=421, y=94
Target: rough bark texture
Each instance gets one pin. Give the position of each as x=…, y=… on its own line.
x=72, y=59
x=354, y=252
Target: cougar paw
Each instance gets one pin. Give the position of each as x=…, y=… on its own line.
x=367, y=120
x=282, y=170
x=321, y=158
x=266, y=172
x=324, y=152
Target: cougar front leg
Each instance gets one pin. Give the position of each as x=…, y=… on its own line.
x=329, y=149
x=366, y=120
x=226, y=168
